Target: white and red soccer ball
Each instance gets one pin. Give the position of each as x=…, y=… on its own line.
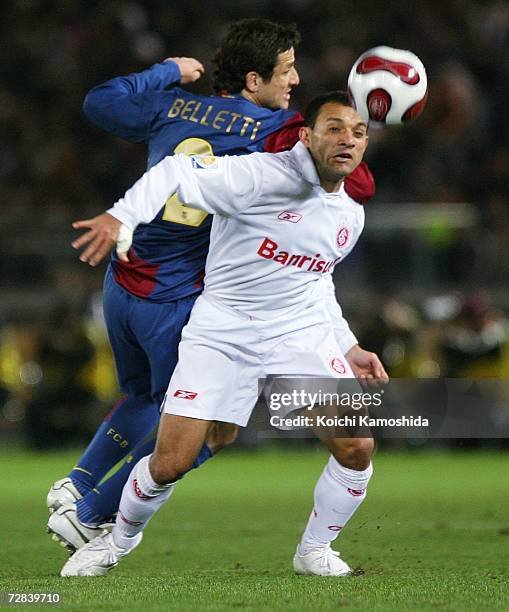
x=388, y=86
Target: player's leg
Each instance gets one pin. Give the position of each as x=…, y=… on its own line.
x=179, y=441
x=158, y=329
x=314, y=352
x=130, y=425
x=221, y=435
x=214, y=380
x=133, y=417
x=150, y=484
x=338, y=493
x=102, y=502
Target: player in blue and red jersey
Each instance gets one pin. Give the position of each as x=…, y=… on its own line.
x=147, y=300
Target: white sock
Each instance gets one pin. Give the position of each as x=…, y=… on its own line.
x=338, y=493
x=141, y=499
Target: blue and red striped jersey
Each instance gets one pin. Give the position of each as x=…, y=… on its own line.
x=167, y=258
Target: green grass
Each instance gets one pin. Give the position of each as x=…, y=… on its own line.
x=433, y=534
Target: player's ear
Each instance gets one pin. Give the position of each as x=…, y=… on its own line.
x=304, y=133
x=252, y=81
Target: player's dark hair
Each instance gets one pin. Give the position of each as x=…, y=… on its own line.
x=313, y=109
x=251, y=45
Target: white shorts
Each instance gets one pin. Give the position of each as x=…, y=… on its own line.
x=223, y=354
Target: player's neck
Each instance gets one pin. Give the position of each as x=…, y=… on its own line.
x=331, y=186
x=250, y=96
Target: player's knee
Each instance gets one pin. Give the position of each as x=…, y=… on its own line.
x=165, y=469
x=221, y=435
x=355, y=453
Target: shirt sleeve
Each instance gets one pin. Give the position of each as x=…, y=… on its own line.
x=344, y=336
x=286, y=137
x=122, y=107
x=216, y=185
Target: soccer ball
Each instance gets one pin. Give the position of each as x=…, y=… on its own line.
x=388, y=86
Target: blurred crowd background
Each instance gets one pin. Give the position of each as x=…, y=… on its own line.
x=426, y=287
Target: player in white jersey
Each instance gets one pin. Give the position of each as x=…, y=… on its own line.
x=282, y=222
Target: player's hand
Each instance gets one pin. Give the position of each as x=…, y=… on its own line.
x=367, y=367
x=104, y=231
x=190, y=69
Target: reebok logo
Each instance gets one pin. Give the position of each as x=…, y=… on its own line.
x=287, y=215
x=189, y=395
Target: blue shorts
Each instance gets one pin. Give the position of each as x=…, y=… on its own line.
x=144, y=337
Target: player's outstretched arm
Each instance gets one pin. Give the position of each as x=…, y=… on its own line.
x=101, y=235
x=223, y=186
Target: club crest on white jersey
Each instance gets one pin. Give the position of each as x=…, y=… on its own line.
x=342, y=236
x=338, y=366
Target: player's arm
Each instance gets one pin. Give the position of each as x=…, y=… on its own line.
x=366, y=366
x=344, y=335
x=217, y=185
x=224, y=186
x=121, y=106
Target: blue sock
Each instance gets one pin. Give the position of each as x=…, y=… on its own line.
x=130, y=420
x=100, y=504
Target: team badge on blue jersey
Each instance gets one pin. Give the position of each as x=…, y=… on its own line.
x=205, y=162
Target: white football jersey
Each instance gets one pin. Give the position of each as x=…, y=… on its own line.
x=276, y=234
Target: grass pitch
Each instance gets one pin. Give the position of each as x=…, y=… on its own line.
x=433, y=534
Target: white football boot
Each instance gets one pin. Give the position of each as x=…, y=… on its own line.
x=62, y=492
x=97, y=557
x=65, y=528
x=320, y=562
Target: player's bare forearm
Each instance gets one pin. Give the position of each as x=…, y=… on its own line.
x=101, y=235
x=367, y=367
